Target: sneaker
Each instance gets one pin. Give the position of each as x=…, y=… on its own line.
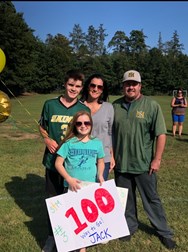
x=168, y=242
x=49, y=244
x=125, y=238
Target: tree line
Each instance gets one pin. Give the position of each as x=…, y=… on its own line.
x=36, y=66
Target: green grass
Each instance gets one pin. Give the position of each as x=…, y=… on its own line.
x=23, y=211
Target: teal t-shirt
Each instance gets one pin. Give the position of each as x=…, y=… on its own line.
x=134, y=132
x=81, y=158
x=55, y=118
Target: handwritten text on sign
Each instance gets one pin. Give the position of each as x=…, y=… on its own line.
x=90, y=216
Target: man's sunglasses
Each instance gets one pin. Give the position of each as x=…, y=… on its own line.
x=92, y=85
x=86, y=123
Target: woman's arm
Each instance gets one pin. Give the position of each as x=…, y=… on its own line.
x=100, y=167
x=173, y=105
x=112, y=160
x=185, y=103
x=111, y=120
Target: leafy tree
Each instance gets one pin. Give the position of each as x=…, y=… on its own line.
x=92, y=40
x=101, y=40
x=18, y=42
x=137, y=42
x=120, y=64
x=119, y=42
x=83, y=52
x=156, y=76
x=77, y=37
x=160, y=44
x=33, y=65
x=173, y=46
x=59, y=59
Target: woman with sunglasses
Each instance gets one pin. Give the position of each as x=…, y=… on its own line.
x=80, y=156
x=95, y=96
x=178, y=104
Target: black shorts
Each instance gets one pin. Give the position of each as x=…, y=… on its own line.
x=54, y=183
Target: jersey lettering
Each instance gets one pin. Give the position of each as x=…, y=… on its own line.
x=61, y=119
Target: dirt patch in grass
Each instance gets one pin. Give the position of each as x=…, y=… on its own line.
x=20, y=136
x=8, y=132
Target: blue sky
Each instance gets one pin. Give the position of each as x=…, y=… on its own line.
x=52, y=17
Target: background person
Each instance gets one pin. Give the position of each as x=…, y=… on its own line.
x=55, y=117
x=138, y=122
x=81, y=156
x=95, y=96
x=178, y=104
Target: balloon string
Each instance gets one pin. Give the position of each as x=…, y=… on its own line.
x=19, y=101
x=21, y=123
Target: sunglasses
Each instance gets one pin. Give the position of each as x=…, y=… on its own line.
x=92, y=85
x=86, y=123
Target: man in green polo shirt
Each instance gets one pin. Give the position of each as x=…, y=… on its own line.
x=138, y=125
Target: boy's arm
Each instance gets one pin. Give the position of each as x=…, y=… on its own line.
x=50, y=143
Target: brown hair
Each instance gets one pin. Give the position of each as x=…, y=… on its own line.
x=74, y=74
x=103, y=96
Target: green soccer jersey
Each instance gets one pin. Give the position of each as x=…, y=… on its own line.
x=134, y=133
x=54, y=119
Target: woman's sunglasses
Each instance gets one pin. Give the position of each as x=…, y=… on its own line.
x=92, y=85
x=86, y=123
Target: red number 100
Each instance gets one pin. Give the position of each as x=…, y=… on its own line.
x=92, y=215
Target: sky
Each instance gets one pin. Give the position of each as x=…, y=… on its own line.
x=153, y=17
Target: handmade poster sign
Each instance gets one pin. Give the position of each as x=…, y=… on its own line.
x=91, y=215
x=122, y=193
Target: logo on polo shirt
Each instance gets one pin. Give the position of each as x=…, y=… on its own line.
x=140, y=114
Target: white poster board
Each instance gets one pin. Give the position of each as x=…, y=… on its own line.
x=122, y=193
x=92, y=215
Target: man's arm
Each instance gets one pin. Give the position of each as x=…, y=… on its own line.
x=159, y=149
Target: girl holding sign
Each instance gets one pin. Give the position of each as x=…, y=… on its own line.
x=80, y=156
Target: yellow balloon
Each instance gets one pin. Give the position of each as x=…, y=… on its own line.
x=2, y=60
x=5, y=106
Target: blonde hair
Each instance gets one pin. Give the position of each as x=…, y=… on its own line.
x=72, y=130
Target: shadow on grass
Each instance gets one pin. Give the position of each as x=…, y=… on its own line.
x=169, y=132
x=147, y=229
x=182, y=140
x=30, y=197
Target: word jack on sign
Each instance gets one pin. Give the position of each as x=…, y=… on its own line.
x=92, y=215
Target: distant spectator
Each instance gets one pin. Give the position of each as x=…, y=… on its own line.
x=178, y=104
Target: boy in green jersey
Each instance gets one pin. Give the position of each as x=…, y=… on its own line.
x=55, y=117
x=138, y=125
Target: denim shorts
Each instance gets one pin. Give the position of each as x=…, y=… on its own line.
x=178, y=118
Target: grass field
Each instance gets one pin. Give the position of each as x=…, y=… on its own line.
x=23, y=225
